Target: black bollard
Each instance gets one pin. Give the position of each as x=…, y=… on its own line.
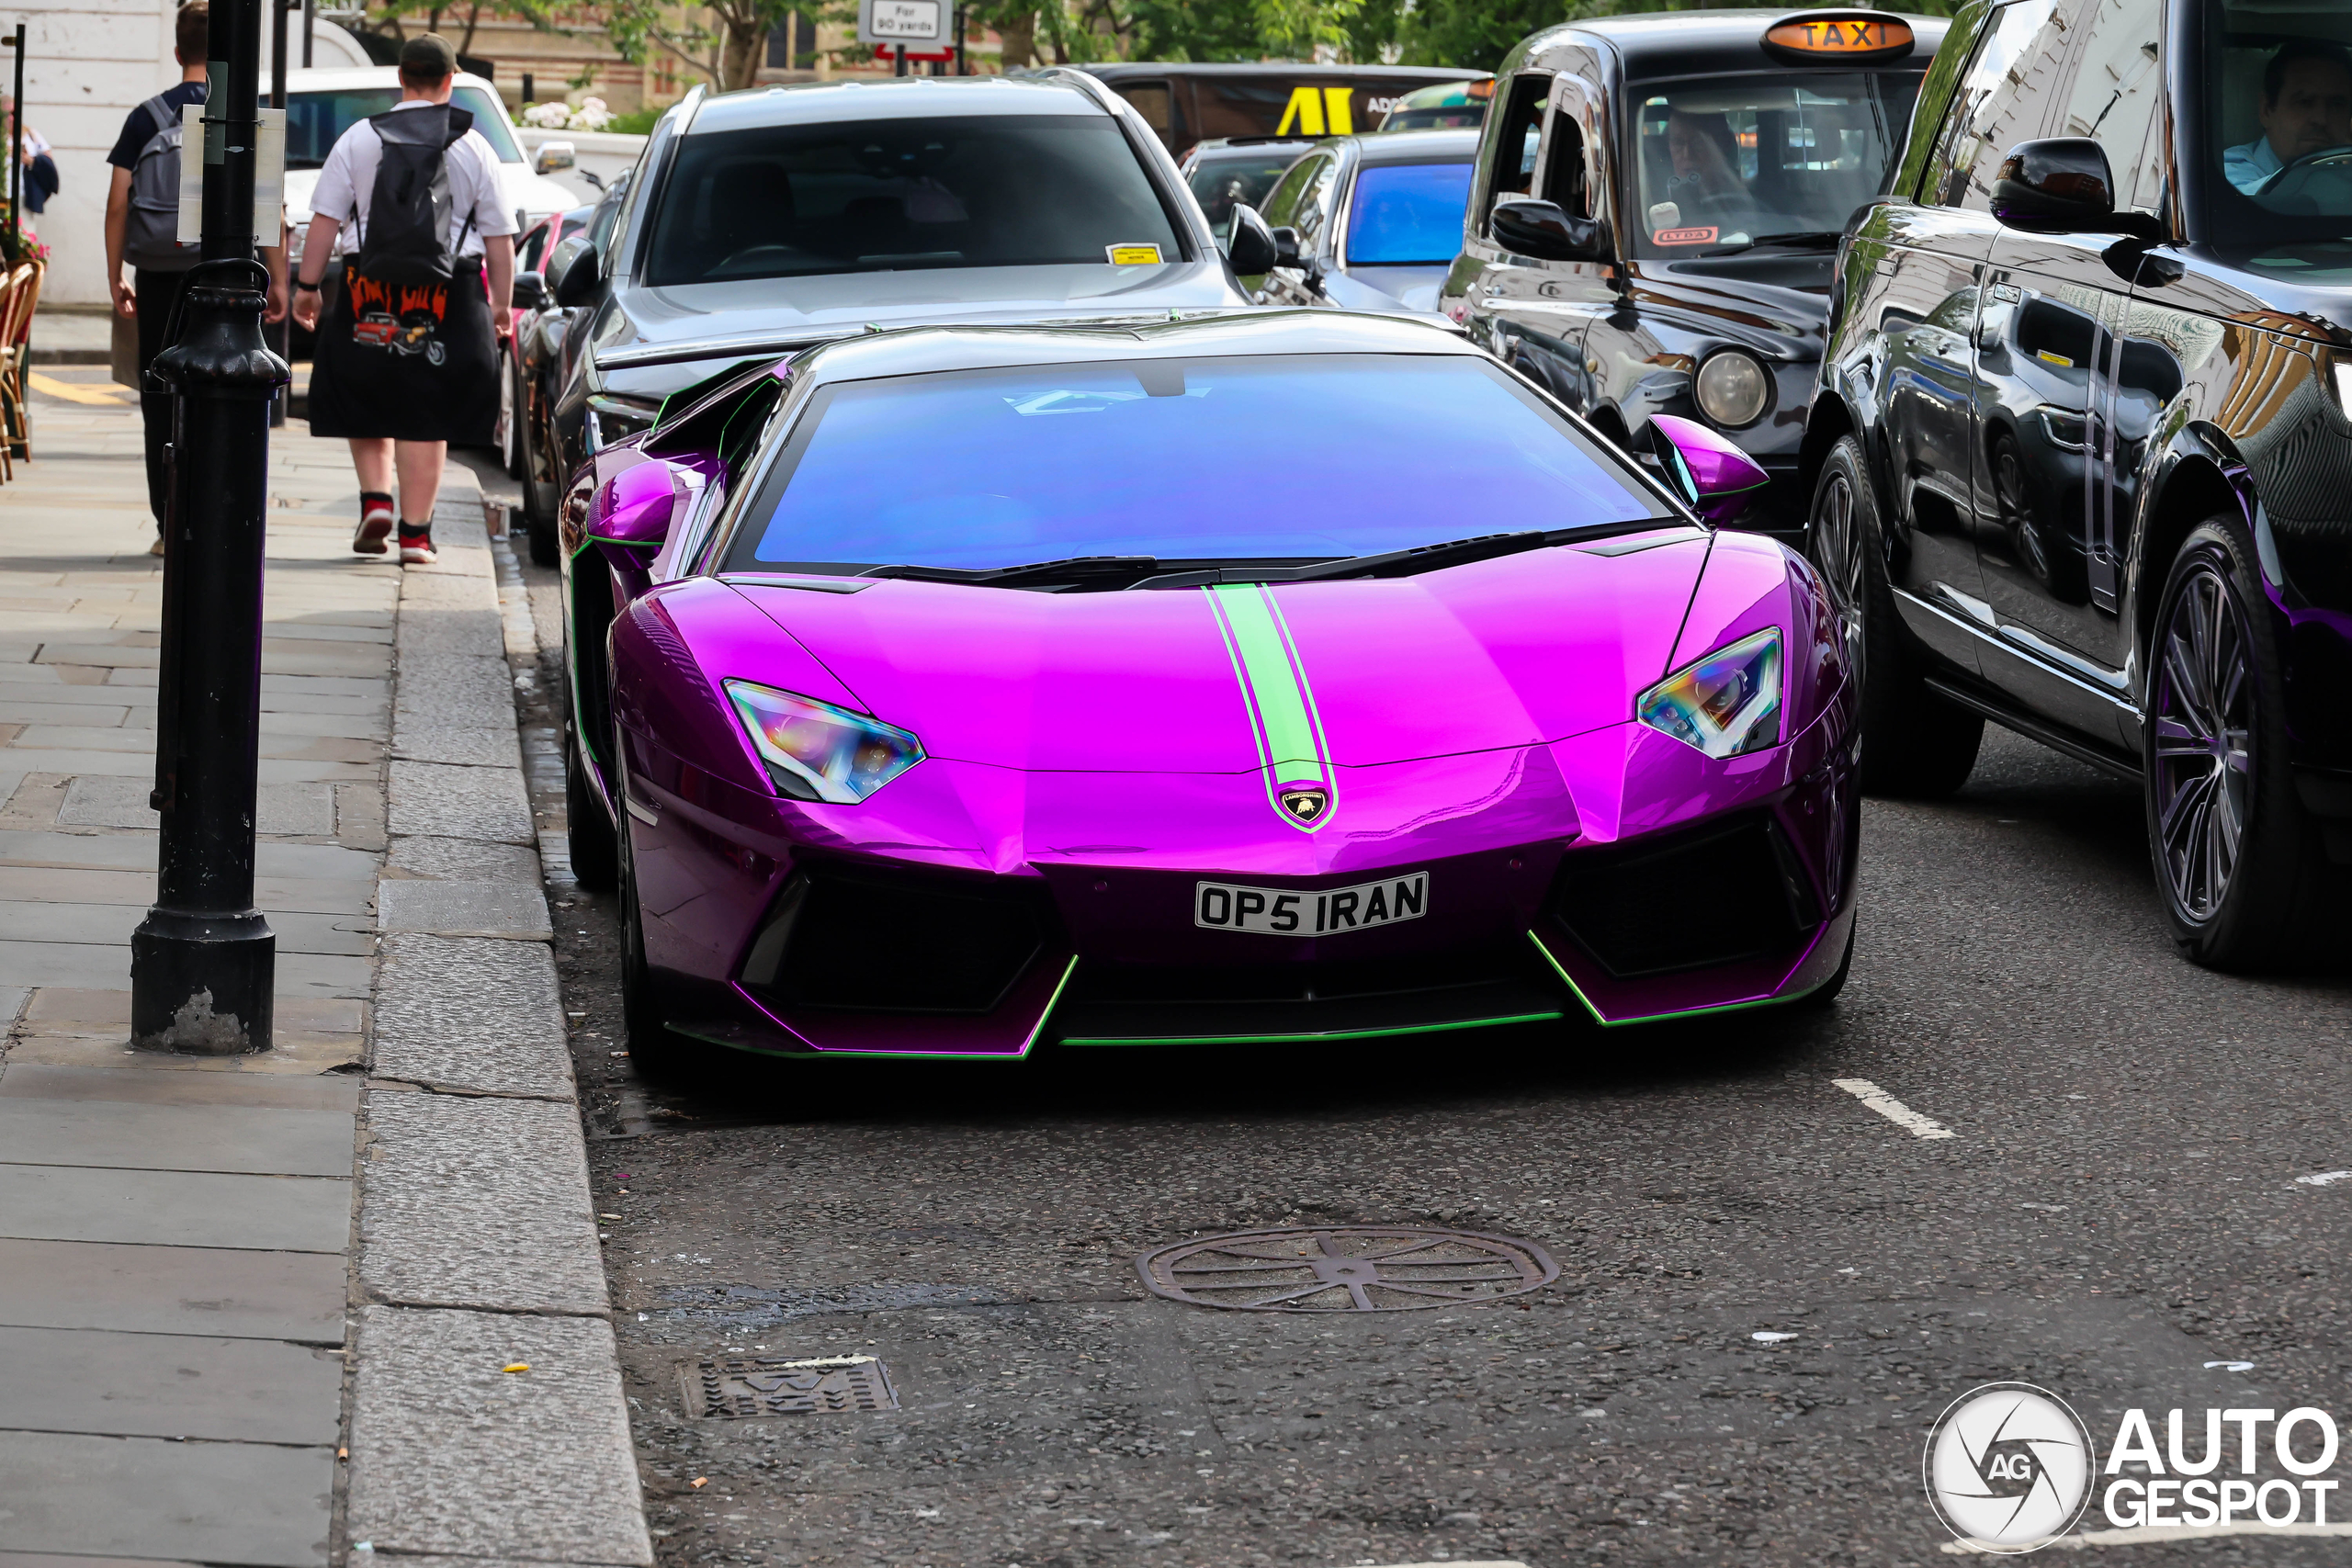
x=203, y=963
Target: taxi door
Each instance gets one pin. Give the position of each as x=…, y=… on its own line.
x=1548, y=312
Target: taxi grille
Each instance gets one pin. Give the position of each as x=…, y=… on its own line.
x=1729, y=891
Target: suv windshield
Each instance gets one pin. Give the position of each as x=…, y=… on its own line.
x=888, y=195
x=313, y=120
x=1198, y=460
x=2278, y=162
x=1725, y=162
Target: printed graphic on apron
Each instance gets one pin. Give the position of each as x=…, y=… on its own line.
x=404, y=318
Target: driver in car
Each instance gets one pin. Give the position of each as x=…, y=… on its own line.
x=2306, y=108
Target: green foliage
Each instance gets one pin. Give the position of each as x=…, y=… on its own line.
x=1480, y=32
x=638, y=123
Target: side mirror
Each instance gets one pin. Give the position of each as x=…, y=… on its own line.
x=1540, y=229
x=1250, y=245
x=1712, y=476
x=555, y=156
x=629, y=520
x=1286, y=246
x=572, y=272
x=530, y=290
x=2063, y=185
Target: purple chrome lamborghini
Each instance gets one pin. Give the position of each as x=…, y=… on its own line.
x=1285, y=677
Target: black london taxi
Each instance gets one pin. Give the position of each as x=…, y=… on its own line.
x=1658, y=203
x=2081, y=461
x=1187, y=102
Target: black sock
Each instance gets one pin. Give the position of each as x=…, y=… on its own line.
x=367, y=495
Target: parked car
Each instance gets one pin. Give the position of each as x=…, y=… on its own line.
x=1186, y=103
x=1009, y=751
x=1229, y=172
x=2079, y=461
x=1657, y=206
x=1443, y=106
x=1371, y=222
x=542, y=345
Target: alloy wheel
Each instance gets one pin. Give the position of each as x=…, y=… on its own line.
x=1837, y=544
x=2203, y=712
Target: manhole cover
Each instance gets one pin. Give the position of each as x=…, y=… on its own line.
x=760, y=1385
x=1346, y=1269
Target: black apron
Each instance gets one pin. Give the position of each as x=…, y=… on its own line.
x=408, y=362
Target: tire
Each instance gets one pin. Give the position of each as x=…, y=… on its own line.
x=595, y=849
x=658, y=1054
x=1821, y=995
x=2242, y=867
x=510, y=415
x=546, y=548
x=1913, y=742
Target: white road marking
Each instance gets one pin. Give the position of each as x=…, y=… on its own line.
x=1765, y=1336
x=1894, y=1109
x=2156, y=1535
x=2324, y=1178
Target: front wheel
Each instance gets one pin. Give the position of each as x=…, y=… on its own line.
x=1913, y=742
x=2241, y=864
x=659, y=1054
x=592, y=844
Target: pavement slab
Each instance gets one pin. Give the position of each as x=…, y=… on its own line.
x=244, y=1504
x=470, y=1014
x=457, y=909
x=136, y=1289
x=456, y=802
x=160, y=1207
x=169, y=1385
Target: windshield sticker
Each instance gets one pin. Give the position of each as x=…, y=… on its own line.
x=1133, y=256
x=1684, y=236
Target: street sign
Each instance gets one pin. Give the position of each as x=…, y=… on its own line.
x=909, y=22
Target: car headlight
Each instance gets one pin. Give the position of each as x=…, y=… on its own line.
x=1733, y=388
x=817, y=752
x=1726, y=704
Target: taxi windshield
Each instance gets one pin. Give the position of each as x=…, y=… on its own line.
x=1279, y=458
x=2278, y=162
x=1724, y=164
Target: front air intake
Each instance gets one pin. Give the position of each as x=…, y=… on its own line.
x=1722, y=894
x=855, y=940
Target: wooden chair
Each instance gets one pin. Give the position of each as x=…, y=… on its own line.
x=23, y=292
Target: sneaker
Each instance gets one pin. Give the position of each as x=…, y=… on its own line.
x=416, y=545
x=375, y=523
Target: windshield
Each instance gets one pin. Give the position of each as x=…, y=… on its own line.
x=1408, y=214
x=1723, y=163
x=2279, y=163
x=1219, y=183
x=315, y=120
x=1446, y=117
x=1199, y=460
x=890, y=196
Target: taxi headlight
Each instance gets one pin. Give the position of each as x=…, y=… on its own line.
x=817, y=752
x=1733, y=388
x=1726, y=704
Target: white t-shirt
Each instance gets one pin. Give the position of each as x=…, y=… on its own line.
x=348, y=183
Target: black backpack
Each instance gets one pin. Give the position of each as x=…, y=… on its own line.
x=407, y=236
x=151, y=225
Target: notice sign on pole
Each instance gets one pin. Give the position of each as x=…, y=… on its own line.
x=909, y=22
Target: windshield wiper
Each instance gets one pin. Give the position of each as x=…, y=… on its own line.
x=1070, y=570
x=1390, y=563
x=1796, y=239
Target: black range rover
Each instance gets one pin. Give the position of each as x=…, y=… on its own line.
x=1657, y=205
x=2082, y=458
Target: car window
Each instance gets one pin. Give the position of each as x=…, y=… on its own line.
x=1724, y=161
x=890, y=196
x=315, y=120
x=2003, y=99
x=2276, y=153
x=2118, y=82
x=1404, y=214
x=1564, y=156
x=1508, y=151
x=1281, y=208
x=1222, y=182
x=1153, y=100
x=1313, y=209
x=1276, y=457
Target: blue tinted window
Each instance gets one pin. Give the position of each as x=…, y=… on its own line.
x=1234, y=459
x=1407, y=212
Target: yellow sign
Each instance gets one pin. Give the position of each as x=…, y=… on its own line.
x=1134, y=256
x=1317, y=111
x=1853, y=38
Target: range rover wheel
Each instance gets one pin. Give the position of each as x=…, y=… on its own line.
x=1913, y=742
x=2241, y=864
x=592, y=843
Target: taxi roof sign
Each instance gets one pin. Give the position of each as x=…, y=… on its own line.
x=1847, y=37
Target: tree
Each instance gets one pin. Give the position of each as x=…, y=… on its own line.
x=1478, y=33
x=728, y=48
x=389, y=21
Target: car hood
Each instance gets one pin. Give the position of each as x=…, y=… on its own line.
x=1510, y=652
x=705, y=321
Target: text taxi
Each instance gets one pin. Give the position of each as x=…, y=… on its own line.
x=1657, y=205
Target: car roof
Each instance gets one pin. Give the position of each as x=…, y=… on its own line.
x=918, y=351
x=1118, y=70
x=1687, y=43
x=1234, y=149
x=1418, y=146
x=890, y=98
x=319, y=79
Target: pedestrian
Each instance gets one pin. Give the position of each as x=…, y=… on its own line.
x=407, y=361
x=41, y=180
x=142, y=227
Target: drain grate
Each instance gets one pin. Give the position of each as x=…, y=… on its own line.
x=1346, y=1269
x=759, y=1385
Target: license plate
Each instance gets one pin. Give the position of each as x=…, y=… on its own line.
x=1281, y=912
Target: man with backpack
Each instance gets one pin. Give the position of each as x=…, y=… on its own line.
x=407, y=359
x=142, y=227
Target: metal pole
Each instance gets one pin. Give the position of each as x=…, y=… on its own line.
x=280, y=332
x=900, y=69
x=309, y=28
x=17, y=149
x=963, y=66
x=203, y=963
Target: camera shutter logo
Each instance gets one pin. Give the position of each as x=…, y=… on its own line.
x=2009, y=1467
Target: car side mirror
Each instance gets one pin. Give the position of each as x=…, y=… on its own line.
x=2063, y=185
x=555, y=156
x=1250, y=244
x=572, y=272
x=629, y=520
x=1286, y=246
x=530, y=290
x=1540, y=229
x=1712, y=476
